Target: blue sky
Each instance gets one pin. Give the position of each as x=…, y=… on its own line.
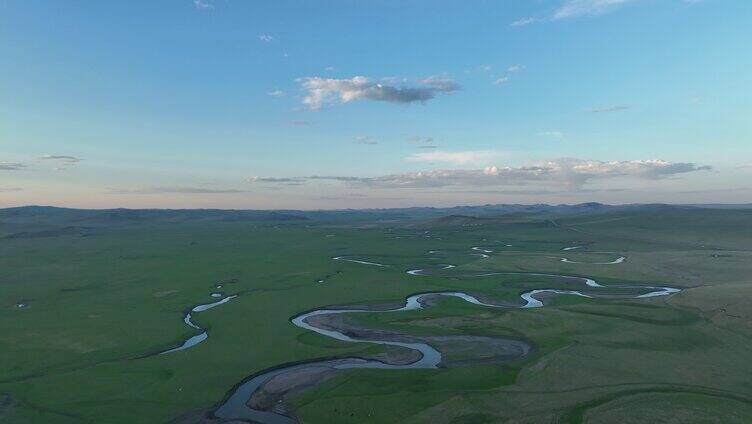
x=360, y=103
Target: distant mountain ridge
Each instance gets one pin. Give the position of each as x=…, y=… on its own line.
x=46, y=221
x=283, y=214
x=121, y=215
x=54, y=215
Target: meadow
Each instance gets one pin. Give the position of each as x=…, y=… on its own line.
x=86, y=304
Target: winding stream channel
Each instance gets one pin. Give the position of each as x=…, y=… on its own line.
x=260, y=397
x=198, y=338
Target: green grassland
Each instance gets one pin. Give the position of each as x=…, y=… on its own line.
x=102, y=299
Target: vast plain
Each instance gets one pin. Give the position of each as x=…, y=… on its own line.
x=644, y=315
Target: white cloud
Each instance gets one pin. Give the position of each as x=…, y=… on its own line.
x=512, y=69
x=277, y=93
x=266, y=38
x=576, y=172
x=515, y=68
x=558, y=174
x=326, y=91
x=62, y=161
x=203, y=4
x=501, y=80
x=61, y=158
x=524, y=21
x=577, y=8
x=569, y=9
x=11, y=166
x=456, y=158
x=284, y=180
x=440, y=84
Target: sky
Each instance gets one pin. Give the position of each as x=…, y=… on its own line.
x=330, y=104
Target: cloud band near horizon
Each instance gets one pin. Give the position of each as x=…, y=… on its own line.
x=564, y=173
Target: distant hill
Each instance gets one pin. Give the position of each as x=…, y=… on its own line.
x=97, y=217
x=723, y=206
x=45, y=221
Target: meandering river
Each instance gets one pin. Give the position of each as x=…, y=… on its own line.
x=255, y=399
